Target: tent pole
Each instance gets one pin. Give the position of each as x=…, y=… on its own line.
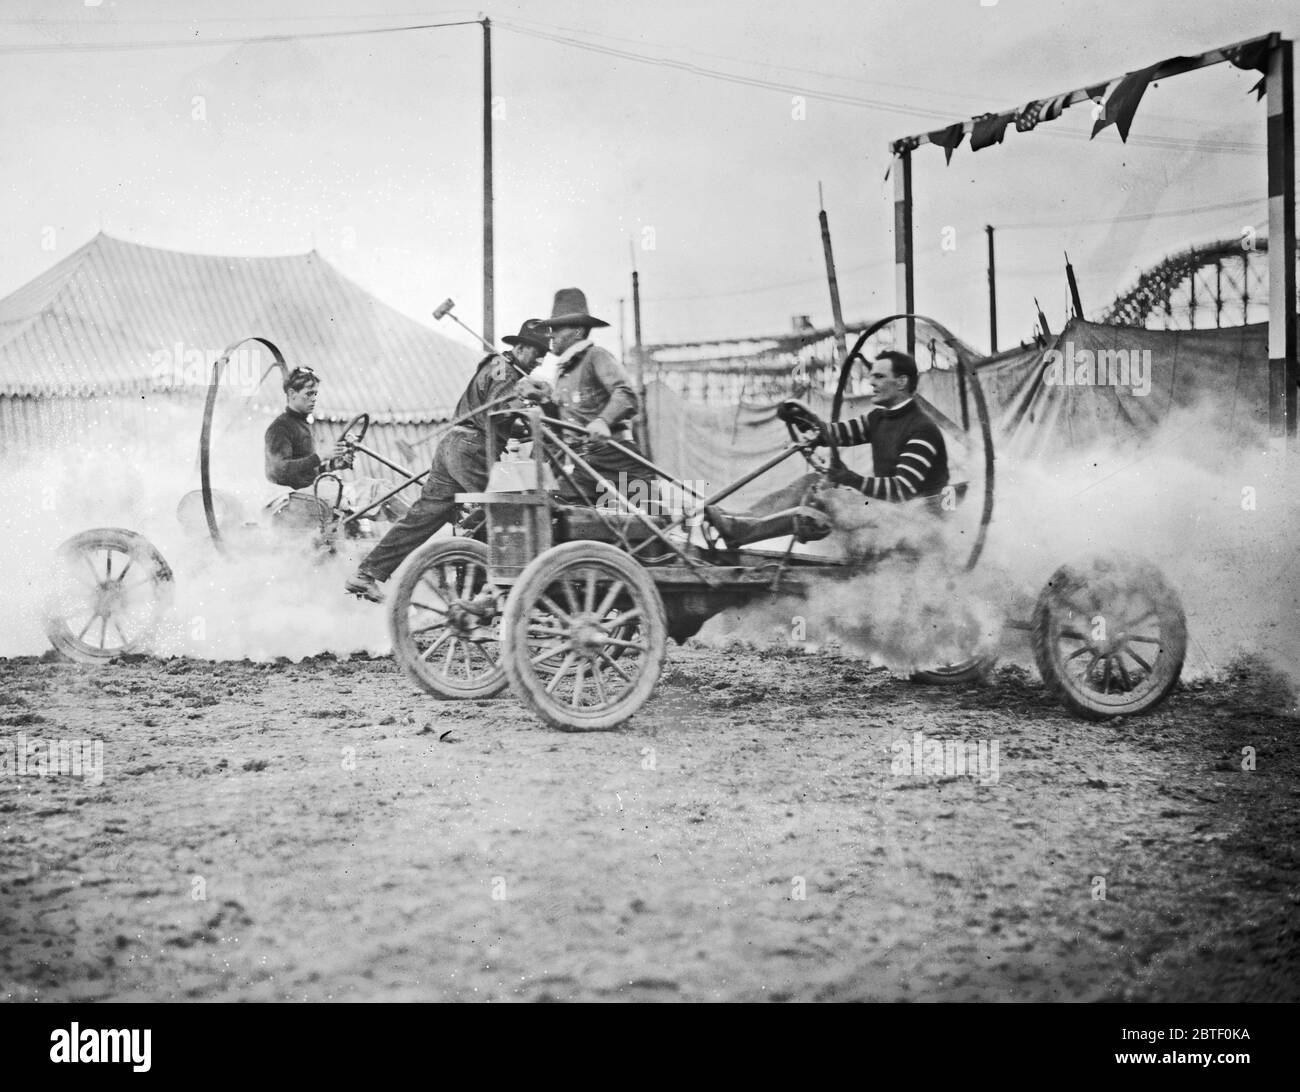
x=993, y=296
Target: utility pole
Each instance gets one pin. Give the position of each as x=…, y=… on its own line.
x=489, y=333
x=993, y=295
x=837, y=315
x=639, y=356
x=1076, y=303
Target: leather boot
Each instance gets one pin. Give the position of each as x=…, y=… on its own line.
x=744, y=530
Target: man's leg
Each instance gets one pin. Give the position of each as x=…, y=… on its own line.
x=778, y=514
x=434, y=507
x=622, y=471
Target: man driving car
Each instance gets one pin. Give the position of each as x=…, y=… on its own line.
x=908, y=454
x=291, y=457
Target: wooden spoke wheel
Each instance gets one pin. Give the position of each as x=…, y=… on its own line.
x=1109, y=638
x=109, y=592
x=445, y=622
x=584, y=636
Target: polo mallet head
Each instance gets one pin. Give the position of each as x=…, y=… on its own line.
x=443, y=310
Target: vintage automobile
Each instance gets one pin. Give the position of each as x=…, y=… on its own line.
x=572, y=606
x=111, y=587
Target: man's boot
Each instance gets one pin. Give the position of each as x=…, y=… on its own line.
x=363, y=585
x=807, y=524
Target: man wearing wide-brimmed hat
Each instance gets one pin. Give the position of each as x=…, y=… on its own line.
x=594, y=390
x=460, y=462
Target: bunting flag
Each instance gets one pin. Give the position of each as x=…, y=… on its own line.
x=1032, y=113
x=948, y=139
x=988, y=130
x=1122, y=103
x=1255, y=57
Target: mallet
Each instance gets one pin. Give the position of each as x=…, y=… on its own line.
x=443, y=310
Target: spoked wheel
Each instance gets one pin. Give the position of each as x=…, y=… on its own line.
x=110, y=590
x=966, y=651
x=1109, y=638
x=444, y=618
x=585, y=636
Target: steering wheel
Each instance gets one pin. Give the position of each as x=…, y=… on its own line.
x=344, y=462
x=345, y=437
x=803, y=425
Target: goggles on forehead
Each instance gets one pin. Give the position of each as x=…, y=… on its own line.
x=300, y=378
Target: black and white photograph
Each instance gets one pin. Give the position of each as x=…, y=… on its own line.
x=693, y=502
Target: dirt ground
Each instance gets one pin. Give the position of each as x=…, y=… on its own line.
x=321, y=831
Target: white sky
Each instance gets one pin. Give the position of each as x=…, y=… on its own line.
x=368, y=149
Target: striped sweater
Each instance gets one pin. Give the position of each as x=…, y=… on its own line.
x=908, y=455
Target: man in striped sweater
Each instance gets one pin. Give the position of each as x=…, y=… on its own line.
x=908, y=454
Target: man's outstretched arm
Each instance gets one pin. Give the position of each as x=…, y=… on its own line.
x=914, y=463
x=851, y=433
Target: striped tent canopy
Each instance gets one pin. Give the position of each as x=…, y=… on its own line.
x=118, y=318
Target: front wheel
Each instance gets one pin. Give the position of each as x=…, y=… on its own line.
x=108, y=595
x=443, y=619
x=975, y=669
x=1109, y=638
x=584, y=636
x=965, y=644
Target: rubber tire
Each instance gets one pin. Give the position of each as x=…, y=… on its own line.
x=1169, y=664
x=976, y=669
x=404, y=650
x=141, y=551
x=540, y=574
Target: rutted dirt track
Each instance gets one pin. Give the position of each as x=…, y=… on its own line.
x=354, y=840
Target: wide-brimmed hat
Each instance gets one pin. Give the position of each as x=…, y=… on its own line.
x=570, y=309
x=532, y=332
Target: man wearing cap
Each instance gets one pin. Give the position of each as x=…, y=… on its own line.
x=291, y=457
x=460, y=461
x=593, y=390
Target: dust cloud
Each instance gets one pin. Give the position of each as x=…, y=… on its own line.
x=265, y=597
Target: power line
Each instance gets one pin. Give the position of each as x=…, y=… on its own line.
x=1130, y=218
x=964, y=95
x=718, y=74
x=768, y=287
x=1171, y=143
x=137, y=45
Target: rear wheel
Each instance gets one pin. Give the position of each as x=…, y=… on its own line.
x=444, y=619
x=1109, y=638
x=585, y=636
x=974, y=669
x=966, y=650
x=108, y=595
